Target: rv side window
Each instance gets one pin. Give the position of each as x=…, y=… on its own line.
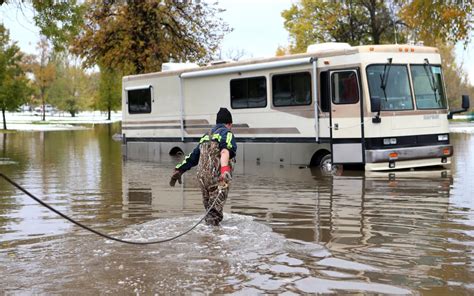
x=139, y=100
x=345, y=89
x=325, y=97
x=291, y=89
x=248, y=93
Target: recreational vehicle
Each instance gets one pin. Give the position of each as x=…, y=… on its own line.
x=380, y=106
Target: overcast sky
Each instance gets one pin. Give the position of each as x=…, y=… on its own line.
x=258, y=29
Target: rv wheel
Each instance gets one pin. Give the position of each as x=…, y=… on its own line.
x=327, y=168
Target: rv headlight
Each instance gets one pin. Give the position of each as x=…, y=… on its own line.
x=390, y=141
x=443, y=137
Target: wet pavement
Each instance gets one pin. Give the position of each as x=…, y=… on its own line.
x=286, y=230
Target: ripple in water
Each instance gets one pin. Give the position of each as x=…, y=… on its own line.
x=241, y=257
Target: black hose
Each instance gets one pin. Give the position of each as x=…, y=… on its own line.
x=95, y=231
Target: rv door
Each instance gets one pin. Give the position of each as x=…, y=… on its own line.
x=346, y=118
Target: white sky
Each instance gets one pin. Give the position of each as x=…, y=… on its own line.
x=258, y=29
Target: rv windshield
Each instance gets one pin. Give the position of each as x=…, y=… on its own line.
x=428, y=86
x=392, y=87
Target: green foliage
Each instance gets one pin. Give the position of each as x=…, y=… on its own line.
x=59, y=21
x=354, y=21
x=71, y=90
x=13, y=83
x=110, y=90
x=138, y=36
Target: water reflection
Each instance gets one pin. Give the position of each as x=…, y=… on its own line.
x=397, y=227
x=75, y=171
x=286, y=229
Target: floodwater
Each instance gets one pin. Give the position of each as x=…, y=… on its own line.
x=286, y=230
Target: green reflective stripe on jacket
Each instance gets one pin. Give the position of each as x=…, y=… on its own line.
x=229, y=140
x=183, y=162
x=216, y=137
x=204, y=139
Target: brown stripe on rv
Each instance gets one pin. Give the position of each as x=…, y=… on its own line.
x=189, y=121
x=207, y=127
x=148, y=127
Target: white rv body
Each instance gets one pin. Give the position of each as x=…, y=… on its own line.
x=169, y=111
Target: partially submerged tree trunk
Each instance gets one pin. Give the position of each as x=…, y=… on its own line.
x=44, y=110
x=4, y=120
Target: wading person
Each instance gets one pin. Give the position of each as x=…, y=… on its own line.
x=214, y=156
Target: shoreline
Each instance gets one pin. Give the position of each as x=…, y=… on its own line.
x=28, y=122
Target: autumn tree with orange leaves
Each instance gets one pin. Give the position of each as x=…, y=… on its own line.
x=138, y=36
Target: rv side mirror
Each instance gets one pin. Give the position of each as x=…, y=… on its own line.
x=465, y=102
x=464, y=107
x=375, y=106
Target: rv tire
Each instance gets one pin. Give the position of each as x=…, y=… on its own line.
x=329, y=169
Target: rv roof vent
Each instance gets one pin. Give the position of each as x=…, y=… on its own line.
x=220, y=62
x=328, y=46
x=178, y=66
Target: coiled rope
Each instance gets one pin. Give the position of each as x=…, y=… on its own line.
x=98, y=232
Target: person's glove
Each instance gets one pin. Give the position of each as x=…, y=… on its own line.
x=176, y=177
x=225, y=174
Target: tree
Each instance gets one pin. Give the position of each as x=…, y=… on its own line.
x=138, y=36
x=109, y=97
x=44, y=72
x=455, y=77
x=376, y=22
x=59, y=21
x=353, y=21
x=234, y=54
x=71, y=90
x=438, y=22
x=13, y=83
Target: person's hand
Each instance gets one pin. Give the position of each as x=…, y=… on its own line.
x=225, y=174
x=175, y=177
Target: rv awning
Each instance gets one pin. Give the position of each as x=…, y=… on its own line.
x=247, y=68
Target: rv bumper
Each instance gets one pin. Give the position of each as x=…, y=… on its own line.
x=427, y=155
